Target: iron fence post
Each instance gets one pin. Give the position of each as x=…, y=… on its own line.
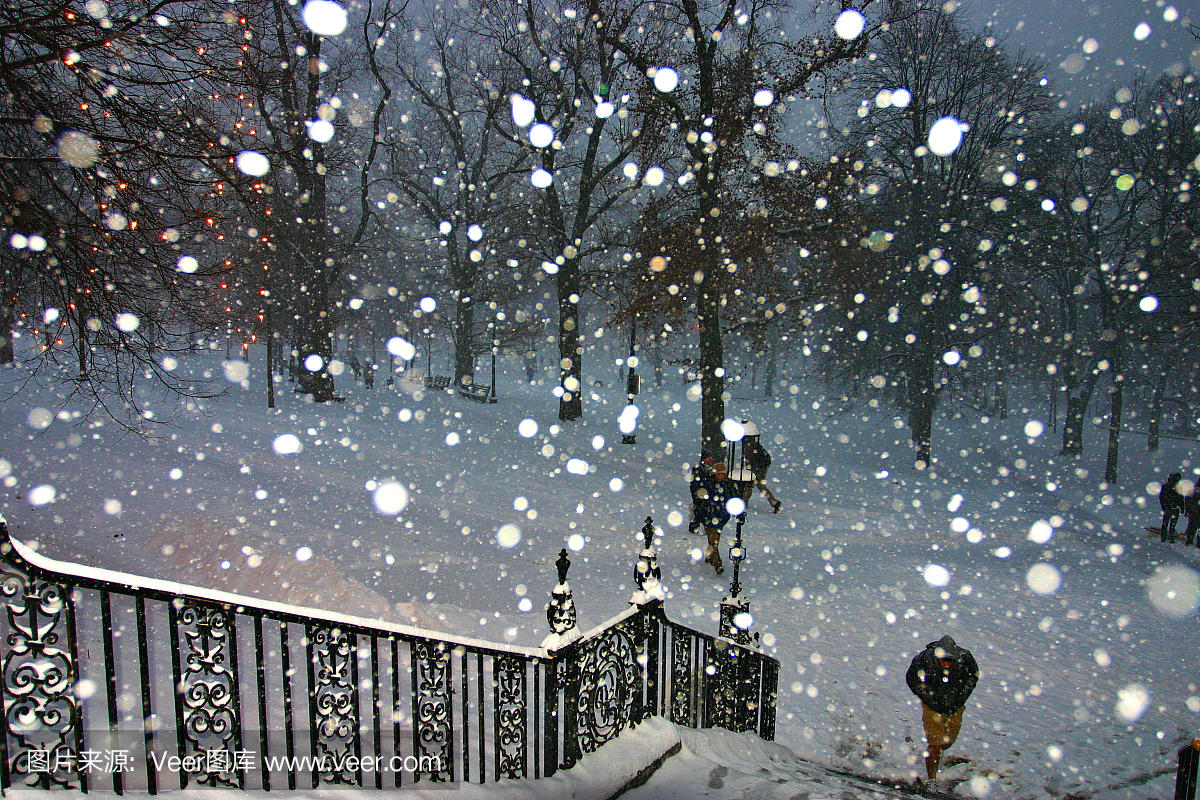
x=569, y=665
x=551, y=716
x=1185, y=775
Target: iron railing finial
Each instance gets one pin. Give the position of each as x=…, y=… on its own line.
x=646, y=574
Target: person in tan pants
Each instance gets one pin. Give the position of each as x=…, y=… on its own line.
x=942, y=676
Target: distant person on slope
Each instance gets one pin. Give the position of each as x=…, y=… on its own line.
x=531, y=359
x=701, y=473
x=943, y=675
x=718, y=489
x=1172, y=503
x=759, y=460
x=1191, y=507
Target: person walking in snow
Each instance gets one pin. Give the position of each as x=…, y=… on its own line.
x=758, y=459
x=942, y=676
x=1191, y=507
x=531, y=359
x=1172, y=503
x=718, y=490
x=699, y=491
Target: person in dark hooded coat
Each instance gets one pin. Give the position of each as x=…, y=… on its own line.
x=715, y=510
x=942, y=676
x=1191, y=507
x=1172, y=503
x=698, y=486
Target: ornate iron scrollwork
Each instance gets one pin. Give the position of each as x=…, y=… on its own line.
x=41, y=712
x=605, y=704
x=723, y=683
x=770, y=692
x=751, y=693
x=566, y=672
x=511, y=740
x=431, y=707
x=207, y=689
x=683, y=678
x=334, y=690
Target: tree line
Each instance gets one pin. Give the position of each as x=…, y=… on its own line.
x=170, y=169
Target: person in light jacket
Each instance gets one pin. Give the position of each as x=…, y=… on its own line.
x=942, y=676
x=759, y=461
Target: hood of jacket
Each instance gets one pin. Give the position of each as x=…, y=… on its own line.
x=946, y=647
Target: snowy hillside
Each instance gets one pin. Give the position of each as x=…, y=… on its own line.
x=447, y=514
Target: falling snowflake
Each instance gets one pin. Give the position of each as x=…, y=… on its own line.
x=324, y=17
x=666, y=79
x=849, y=24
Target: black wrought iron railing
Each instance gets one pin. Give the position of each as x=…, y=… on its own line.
x=1186, y=771
x=117, y=682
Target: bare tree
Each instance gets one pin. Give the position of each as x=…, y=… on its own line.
x=705, y=68
x=934, y=300
x=101, y=199
x=796, y=234
x=450, y=167
x=579, y=86
x=1118, y=249
x=307, y=203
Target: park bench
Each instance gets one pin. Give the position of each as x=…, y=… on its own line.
x=477, y=392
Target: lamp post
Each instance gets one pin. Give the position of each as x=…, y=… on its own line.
x=733, y=607
x=495, y=349
x=266, y=294
x=633, y=382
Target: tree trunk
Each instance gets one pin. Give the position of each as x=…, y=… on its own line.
x=922, y=400
x=570, y=351
x=712, y=361
x=316, y=339
x=82, y=348
x=1076, y=411
x=270, y=360
x=772, y=368
x=1054, y=391
x=7, y=320
x=900, y=393
x=1073, y=424
x=1158, y=391
x=464, y=327
x=315, y=321
x=10, y=277
x=1114, y=428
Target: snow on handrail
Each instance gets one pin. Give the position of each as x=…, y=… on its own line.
x=64, y=571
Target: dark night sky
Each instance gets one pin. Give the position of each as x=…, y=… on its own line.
x=1058, y=30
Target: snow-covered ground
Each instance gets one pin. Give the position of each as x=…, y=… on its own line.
x=1085, y=629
